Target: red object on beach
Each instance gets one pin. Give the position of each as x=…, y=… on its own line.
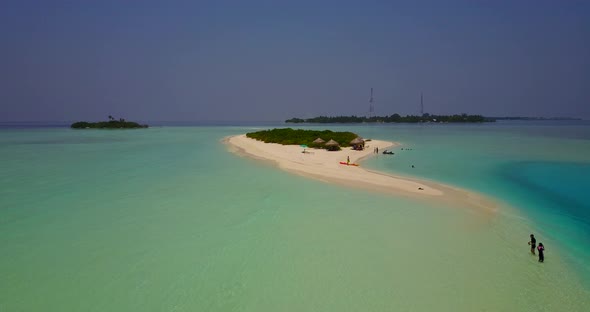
x=344, y=163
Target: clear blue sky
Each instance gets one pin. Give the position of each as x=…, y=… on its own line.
x=271, y=60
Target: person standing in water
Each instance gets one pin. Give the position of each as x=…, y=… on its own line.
x=533, y=243
x=541, y=250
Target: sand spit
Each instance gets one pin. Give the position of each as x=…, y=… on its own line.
x=325, y=166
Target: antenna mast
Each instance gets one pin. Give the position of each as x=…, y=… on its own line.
x=371, y=108
x=421, y=104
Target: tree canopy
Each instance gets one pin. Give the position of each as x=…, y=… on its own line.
x=288, y=136
x=393, y=118
x=111, y=124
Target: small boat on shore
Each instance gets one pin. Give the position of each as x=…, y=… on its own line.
x=348, y=164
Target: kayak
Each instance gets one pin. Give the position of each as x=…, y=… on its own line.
x=350, y=164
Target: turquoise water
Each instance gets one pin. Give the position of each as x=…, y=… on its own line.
x=166, y=219
x=542, y=169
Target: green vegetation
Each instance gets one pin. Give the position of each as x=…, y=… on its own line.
x=295, y=120
x=288, y=136
x=111, y=124
x=394, y=118
x=535, y=118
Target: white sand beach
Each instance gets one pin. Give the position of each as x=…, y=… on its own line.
x=325, y=166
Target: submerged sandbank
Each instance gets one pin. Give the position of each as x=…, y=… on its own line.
x=325, y=166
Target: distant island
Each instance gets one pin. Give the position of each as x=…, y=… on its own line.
x=535, y=118
x=112, y=123
x=395, y=118
x=307, y=138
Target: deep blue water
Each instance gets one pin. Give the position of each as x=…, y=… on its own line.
x=563, y=185
x=558, y=196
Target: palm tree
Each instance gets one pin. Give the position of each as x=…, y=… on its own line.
x=111, y=118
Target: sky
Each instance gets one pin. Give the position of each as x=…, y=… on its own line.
x=273, y=60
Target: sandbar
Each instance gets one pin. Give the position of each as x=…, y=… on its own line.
x=325, y=165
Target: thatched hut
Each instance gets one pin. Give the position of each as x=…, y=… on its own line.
x=318, y=141
x=332, y=145
x=358, y=144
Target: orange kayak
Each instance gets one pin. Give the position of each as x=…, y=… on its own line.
x=351, y=164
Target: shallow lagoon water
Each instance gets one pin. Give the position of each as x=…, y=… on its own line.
x=166, y=219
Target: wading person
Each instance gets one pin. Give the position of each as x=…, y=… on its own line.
x=541, y=250
x=533, y=243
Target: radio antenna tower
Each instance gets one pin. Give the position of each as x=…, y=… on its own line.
x=421, y=104
x=371, y=108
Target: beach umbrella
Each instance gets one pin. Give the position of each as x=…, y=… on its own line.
x=332, y=143
x=318, y=141
x=303, y=145
x=357, y=140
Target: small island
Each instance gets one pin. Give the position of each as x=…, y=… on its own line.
x=308, y=138
x=112, y=123
x=536, y=118
x=341, y=167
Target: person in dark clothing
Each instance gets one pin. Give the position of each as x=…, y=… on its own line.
x=541, y=250
x=533, y=243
